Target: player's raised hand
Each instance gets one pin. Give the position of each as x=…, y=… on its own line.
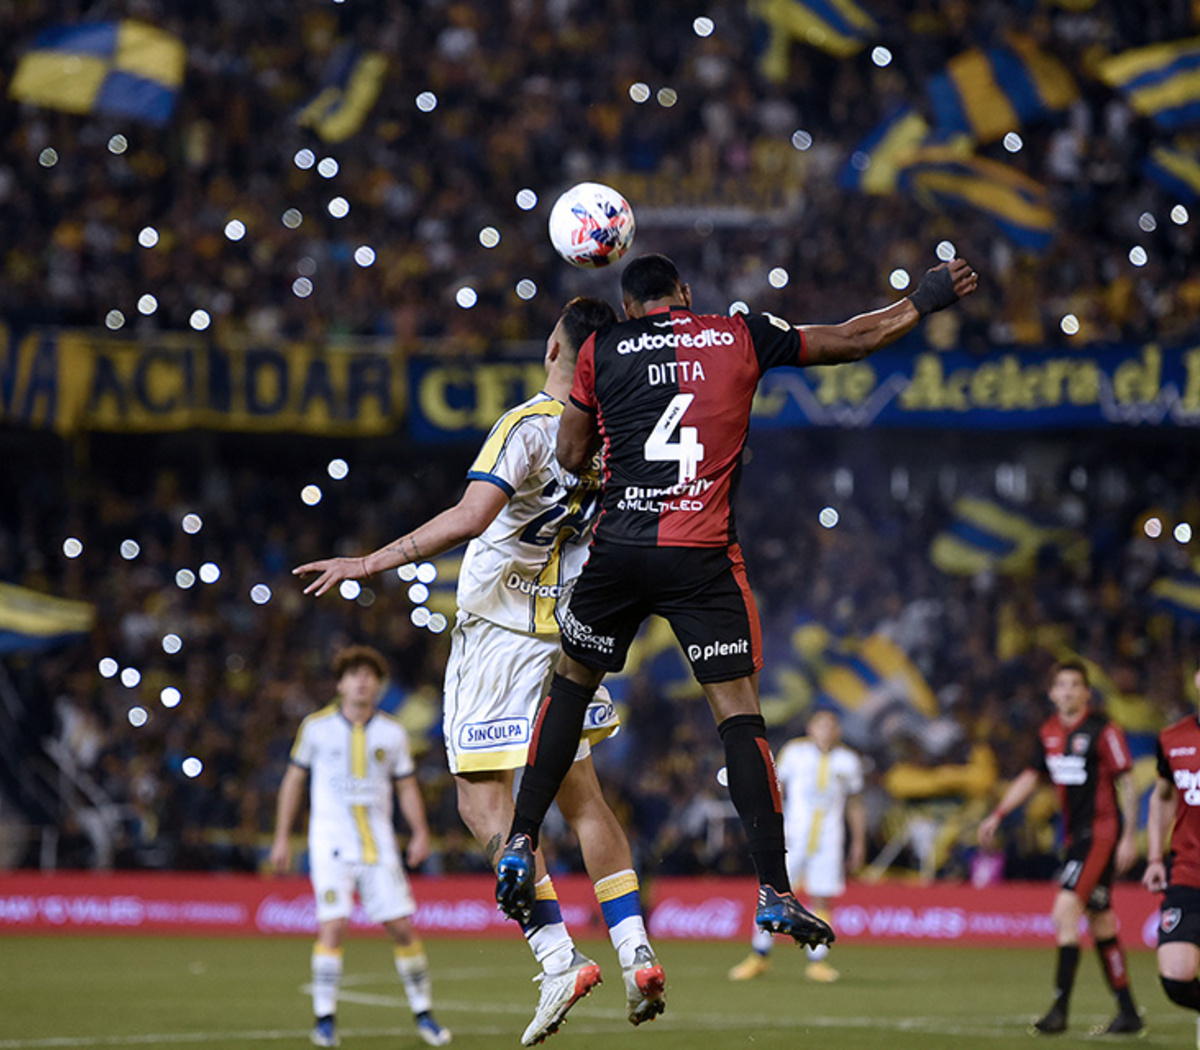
x=943, y=285
x=332, y=572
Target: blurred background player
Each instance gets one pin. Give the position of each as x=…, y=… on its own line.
x=528, y=522
x=1085, y=756
x=822, y=782
x=351, y=755
x=1176, y=797
x=668, y=394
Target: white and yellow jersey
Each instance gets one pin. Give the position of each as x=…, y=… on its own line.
x=529, y=556
x=816, y=785
x=352, y=773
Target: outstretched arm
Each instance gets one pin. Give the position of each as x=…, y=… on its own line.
x=852, y=340
x=464, y=521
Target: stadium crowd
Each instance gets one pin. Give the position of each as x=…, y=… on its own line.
x=247, y=672
x=482, y=101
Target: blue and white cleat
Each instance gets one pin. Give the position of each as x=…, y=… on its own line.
x=324, y=1033
x=515, y=892
x=432, y=1033
x=782, y=913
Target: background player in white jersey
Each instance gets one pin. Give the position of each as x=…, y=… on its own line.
x=822, y=781
x=351, y=755
x=528, y=522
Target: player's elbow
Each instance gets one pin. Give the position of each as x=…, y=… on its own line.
x=572, y=458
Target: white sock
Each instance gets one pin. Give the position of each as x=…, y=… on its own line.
x=761, y=942
x=413, y=967
x=551, y=944
x=627, y=937
x=326, y=978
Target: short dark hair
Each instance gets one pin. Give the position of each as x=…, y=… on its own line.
x=649, y=277
x=582, y=316
x=355, y=656
x=1075, y=666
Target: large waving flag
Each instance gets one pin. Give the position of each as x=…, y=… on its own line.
x=986, y=94
x=351, y=84
x=1176, y=169
x=840, y=27
x=985, y=536
x=877, y=161
x=1161, y=81
x=1178, y=595
x=943, y=178
x=30, y=621
x=125, y=69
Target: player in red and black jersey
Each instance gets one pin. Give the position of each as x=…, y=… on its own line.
x=666, y=396
x=1085, y=757
x=1176, y=798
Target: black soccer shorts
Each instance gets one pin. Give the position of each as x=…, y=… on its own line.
x=1180, y=918
x=1088, y=871
x=702, y=592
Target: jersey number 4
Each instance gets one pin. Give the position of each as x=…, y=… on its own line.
x=687, y=451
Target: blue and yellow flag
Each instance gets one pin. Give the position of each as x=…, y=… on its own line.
x=1161, y=81
x=943, y=178
x=986, y=94
x=123, y=69
x=1175, y=169
x=985, y=536
x=30, y=621
x=840, y=27
x=1178, y=595
x=877, y=161
x=351, y=84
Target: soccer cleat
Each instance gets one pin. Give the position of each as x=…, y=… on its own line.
x=324, y=1033
x=782, y=913
x=821, y=971
x=1125, y=1023
x=560, y=991
x=754, y=965
x=515, y=892
x=1054, y=1022
x=645, y=985
x=430, y=1031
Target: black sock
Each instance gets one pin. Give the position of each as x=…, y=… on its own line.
x=1064, y=977
x=754, y=790
x=1112, y=962
x=556, y=733
x=1185, y=993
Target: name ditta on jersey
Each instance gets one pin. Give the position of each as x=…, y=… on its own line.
x=675, y=372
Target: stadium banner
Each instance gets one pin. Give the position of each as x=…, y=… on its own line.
x=71, y=381
x=1014, y=913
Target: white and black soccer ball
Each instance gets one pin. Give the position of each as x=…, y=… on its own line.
x=591, y=225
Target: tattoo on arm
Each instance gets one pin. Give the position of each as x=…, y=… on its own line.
x=407, y=548
x=491, y=849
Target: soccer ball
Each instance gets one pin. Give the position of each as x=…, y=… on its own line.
x=591, y=225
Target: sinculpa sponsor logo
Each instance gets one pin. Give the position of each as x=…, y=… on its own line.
x=706, y=337
x=516, y=582
x=488, y=734
x=713, y=649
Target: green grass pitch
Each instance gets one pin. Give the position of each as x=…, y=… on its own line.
x=250, y=994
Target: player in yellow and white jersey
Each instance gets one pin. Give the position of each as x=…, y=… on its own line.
x=822, y=781
x=352, y=756
x=528, y=523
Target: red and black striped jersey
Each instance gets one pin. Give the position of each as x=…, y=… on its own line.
x=671, y=393
x=1179, y=762
x=1083, y=762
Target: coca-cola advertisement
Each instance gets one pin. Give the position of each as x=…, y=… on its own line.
x=463, y=906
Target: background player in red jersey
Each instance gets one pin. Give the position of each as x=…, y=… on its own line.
x=1176, y=798
x=667, y=395
x=1085, y=756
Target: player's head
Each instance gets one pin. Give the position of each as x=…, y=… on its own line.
x=824, y=729
x=1070, y=688
x=360, y=672
x=648, y=279
x=582, y=316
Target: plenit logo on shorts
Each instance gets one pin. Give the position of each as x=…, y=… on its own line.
x=696, y=340
x=501, y=732
x=698, y=654
x=516, y=582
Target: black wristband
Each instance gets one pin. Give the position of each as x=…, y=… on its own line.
x=935, y=292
